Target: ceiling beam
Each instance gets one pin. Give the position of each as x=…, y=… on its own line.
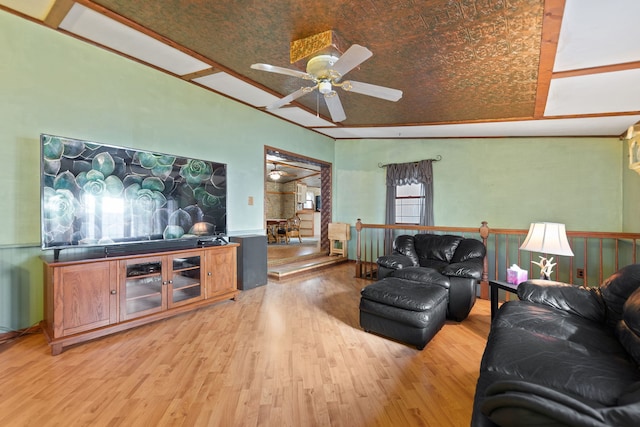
x=289, y=165
x=201, y=73
x=551, y=23
x=597, y=70
x=58, y=11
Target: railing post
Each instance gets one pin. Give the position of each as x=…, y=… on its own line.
x=484, y=283
x=358, y=254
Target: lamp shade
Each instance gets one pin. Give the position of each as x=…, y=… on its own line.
x=547, y=238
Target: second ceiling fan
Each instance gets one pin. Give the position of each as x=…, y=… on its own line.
x=326, y=71
x=275, y=173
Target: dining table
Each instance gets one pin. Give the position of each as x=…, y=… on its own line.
x=272, y=229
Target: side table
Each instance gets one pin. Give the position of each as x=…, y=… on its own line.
x=499, y=284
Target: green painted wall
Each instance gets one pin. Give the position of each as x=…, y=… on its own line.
x=51, y=83
x=508, y=182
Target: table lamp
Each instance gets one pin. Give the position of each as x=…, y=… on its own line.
x=548, y=238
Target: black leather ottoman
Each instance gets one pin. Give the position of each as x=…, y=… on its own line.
x=408, y=311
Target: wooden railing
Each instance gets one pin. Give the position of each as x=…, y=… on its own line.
x=597, y=255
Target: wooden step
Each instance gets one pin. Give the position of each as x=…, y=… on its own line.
x=305, y=265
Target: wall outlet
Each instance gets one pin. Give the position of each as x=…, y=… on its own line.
x=250, y=201
x=580, y=273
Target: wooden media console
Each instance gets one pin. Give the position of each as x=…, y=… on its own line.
x=86, y=299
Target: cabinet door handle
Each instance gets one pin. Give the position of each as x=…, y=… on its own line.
x=209, y=273
x=164, y=283
x=113, y=292
x=170, y=282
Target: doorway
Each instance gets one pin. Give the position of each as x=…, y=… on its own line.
x=297, y=185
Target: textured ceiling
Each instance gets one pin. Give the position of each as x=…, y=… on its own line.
x=454, y=60
x=466, y=67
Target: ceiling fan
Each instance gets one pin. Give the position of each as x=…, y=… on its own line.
x=276, y=174
x=326, y=71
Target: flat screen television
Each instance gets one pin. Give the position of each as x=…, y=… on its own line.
x=94, y=194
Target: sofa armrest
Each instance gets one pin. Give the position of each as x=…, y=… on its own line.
x=394, y=261
x=465, y=269
x=575, y=299
x=509, y=403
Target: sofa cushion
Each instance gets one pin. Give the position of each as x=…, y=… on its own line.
x=404, y=245
x=435, y=247
x=395, y=261
x=405, y=294
x=617, y=288
x=592, y=367
x=469, y=249
x=574, y=299
x=468, y=269
x=631, y=395
x=434, y=264
x=432, y=318
x=422, y=274
x=631, y=312
x=628, y=330
x=550, y=322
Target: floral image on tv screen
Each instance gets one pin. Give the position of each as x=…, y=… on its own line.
x=96, y=194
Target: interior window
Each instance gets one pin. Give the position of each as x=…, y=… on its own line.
x=408, y=202
x=309, y=200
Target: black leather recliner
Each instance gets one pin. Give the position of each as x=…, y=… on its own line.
x=453, y=262
x=564, y=355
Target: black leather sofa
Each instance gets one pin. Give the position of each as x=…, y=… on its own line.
x=452, y=262
x=564, y=355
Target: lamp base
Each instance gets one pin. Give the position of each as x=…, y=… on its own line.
x=546, y=267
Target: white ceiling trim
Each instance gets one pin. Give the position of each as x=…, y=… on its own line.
x=596, y=126
x=91, y=25
x=586, y=37
x=615, y=92
x=302, y=117
x=236, y=88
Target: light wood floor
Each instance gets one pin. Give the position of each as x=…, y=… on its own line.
x=290, y=353
x=282, y=253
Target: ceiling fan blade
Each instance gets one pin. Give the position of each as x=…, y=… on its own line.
x=335, y=107
x=289, y=98
x=353, y=57
x=282, y=70
x=373, y=90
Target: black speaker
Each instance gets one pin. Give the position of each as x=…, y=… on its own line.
x=252, y=260
x=318, y=203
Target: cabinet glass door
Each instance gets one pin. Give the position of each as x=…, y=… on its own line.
x=142, y=291
x=186, y=280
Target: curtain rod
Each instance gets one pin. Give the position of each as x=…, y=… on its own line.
x=437, y=159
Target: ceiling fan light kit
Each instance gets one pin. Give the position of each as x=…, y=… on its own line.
x=324, y=87
x=275, y=174
x=326, y=71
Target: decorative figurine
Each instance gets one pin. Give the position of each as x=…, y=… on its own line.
x=546, y=267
